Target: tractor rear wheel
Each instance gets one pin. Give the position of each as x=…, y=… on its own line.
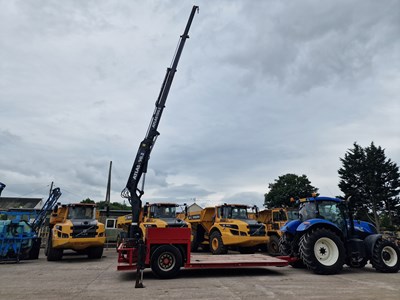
x=166, y=261
x=322, y=251
x=216, y=244
x=385, y=256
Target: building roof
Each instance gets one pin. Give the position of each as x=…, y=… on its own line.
x=7, y=203
x=194, y=207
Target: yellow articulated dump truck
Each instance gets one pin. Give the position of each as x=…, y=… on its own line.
x=226, y=226
x=157, y=215
x=274, y=219
x=76, y=227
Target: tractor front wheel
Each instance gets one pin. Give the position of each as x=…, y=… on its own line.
x=322, y=251
x=385, y=257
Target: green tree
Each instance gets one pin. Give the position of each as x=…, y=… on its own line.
x=87, y=200
x=113, y=206
x=286, y=187
x=372, y=180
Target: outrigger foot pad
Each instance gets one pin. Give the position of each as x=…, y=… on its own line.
x=139, y=279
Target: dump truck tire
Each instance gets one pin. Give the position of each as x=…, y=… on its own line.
x=216, y=244
x=95, y=252
x=53, y=254
x=322, y=251
x=273, y=245
x=385, y=256
x=166, y=261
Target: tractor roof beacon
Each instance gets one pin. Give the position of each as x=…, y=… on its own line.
x=325, y=237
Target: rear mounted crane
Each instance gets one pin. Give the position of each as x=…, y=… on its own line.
x=139, y=168
x=166, y=250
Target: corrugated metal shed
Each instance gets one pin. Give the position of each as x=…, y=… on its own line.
x=7, y=203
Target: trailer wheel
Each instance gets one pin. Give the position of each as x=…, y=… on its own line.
x=322, y=251
x=216, y=244
x=385, y=256
x=166, y=261
x=53, y=254
x=273, y=245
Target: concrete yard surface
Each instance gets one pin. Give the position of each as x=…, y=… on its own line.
x=76, y=277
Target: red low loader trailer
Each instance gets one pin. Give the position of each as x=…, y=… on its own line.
x=167, y=250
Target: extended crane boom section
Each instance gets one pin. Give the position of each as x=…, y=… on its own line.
x=139, y=168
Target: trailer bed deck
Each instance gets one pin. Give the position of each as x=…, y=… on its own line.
x=234, y=260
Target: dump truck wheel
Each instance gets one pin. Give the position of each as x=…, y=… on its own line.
x=273, y=245
x=95, y=252
x=166, y=261
x=194, y=245
x=322, y=251
x=53, y=254
x=216, y=244
x=385, y=256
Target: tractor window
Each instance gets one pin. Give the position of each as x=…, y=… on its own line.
x=81, y=212
x=165, y=212
x=293, y=214
x=307, y=211
x=330, y=211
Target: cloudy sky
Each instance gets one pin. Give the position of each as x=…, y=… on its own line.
x=263, y=88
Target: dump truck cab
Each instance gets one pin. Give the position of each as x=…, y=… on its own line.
x=161, y=215
x=226, y=226
x=154, y=215
x=75, y=226
x=274, y=219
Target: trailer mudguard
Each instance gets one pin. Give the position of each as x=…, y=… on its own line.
x=291, y=226
x=369, y=243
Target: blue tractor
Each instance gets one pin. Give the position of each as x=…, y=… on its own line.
x=325, y=237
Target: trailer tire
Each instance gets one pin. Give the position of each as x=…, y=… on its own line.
x=95, y=252
x=166, y=261
x=216, y=244
x=273, y=245
x=53, y=254
x=385, y=256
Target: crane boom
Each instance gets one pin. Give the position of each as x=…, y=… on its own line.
x=139, y=168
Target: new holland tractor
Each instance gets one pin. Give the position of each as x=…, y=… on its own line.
x=325, y=237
